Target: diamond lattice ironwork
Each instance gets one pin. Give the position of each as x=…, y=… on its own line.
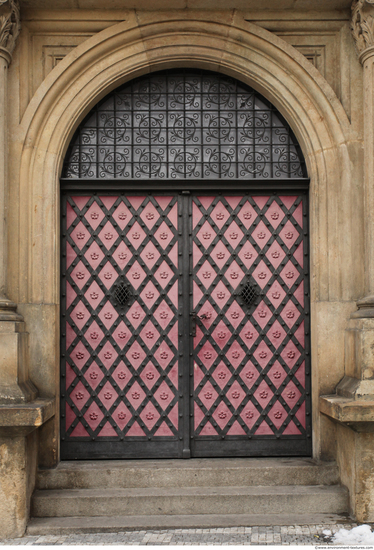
x=122, y=362
x=120, y=376
x=250, y=378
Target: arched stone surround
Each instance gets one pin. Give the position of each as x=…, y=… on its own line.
x=222, y=42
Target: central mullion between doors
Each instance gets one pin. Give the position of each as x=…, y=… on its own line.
x=185, y=321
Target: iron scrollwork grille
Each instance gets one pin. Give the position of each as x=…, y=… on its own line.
x=184, y=125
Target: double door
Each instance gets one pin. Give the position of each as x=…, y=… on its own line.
x=184, y=324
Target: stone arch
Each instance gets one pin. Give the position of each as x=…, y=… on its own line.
x=145, y=44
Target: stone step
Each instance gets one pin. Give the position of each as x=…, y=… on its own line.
x=190, y=501
x=190, y=473
x=115, y=524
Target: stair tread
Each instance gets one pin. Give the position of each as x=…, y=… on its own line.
x=191, y=473
x=194, y=464
x=190, y=501
x=187, y=491
x=64, y=525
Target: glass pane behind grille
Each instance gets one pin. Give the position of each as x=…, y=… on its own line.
x=184, y=125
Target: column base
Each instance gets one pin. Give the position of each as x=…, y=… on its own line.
x=15, y=385
x=365, y=308
x=8, y=310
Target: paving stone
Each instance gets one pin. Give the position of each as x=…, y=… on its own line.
x=239, y=536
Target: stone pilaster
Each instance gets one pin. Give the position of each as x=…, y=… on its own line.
x=9, y=30
x=360, y=330
x=14, y=383
x=362, y=26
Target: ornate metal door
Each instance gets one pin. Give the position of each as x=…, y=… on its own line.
x=137, y=326
x=120, y=318
x=185, y=306
x=251, y=385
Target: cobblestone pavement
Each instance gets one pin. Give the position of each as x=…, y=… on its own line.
x=291, y=535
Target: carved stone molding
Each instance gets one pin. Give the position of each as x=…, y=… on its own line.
x=365, y=308
x=10, y=24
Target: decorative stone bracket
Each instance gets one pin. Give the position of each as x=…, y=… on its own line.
x=353, y=403
x=357, y=415
x=22, y=419
x=352, y=409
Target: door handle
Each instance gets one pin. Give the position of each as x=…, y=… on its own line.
x=195, y=318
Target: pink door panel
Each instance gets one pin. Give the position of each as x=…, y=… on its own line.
x=185, y=325
x=251, y=385
x=120, y=326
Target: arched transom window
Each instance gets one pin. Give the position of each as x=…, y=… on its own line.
x=184, y=124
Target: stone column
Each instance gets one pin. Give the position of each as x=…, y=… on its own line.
x=352, y=407
x=359, y=356
x=15, y=386
x=9, y=30
x=362, y=27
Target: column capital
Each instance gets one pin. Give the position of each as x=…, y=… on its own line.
x=362, y=27
x=10, y=26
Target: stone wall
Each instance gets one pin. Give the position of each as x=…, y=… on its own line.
x=305, y=63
